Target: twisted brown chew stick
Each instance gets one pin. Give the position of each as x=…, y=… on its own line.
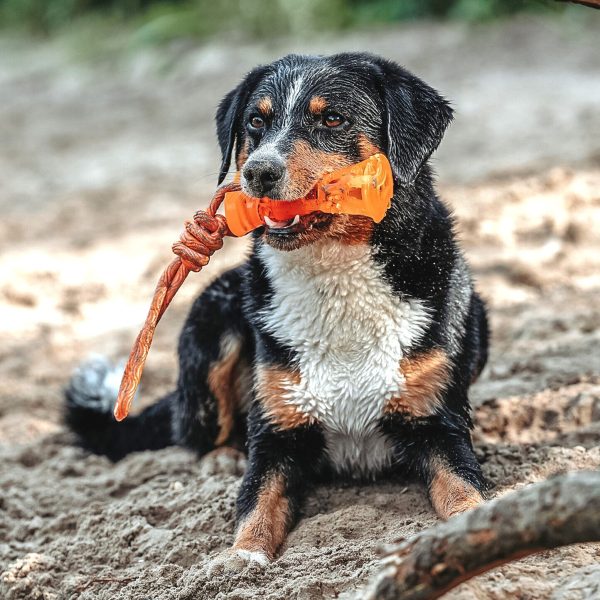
x=202, y=236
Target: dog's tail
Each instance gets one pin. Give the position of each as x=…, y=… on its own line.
x=90, y=397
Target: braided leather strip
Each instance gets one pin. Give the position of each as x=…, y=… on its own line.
x=201, y=238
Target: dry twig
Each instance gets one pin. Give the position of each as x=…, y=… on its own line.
x=559, y=511
x=589, y=3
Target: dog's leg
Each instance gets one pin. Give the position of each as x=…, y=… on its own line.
x=281, y=467
x=442, y=457
x=215, y=383
x=430, y=425
x=452, y=475
x=445, y=462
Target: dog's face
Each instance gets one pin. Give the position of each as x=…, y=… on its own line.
x=301, y=117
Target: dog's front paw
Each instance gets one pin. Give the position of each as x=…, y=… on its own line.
x=253, y=557
x=235, y=560
x=223, y=461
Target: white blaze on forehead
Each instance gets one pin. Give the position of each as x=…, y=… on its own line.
x=289, y=83
x=300, y=81
x=293, y=94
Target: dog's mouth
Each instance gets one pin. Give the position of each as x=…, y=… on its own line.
x=297, y=225
x=282, y=226
x=294, y=225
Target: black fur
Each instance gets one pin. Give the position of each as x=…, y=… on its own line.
x=414, y=246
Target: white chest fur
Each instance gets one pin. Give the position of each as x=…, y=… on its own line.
x=332, y=305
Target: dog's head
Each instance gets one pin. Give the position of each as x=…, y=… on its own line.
x=300, y=117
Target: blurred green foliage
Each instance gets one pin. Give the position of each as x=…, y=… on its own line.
x=156, y=21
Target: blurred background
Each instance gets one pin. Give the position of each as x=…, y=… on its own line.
x=107, y=144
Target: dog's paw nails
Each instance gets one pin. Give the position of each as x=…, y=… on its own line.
x=253, y=557
x=233, y=561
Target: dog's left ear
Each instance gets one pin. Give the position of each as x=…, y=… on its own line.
x=415, y=120
x=229, y=116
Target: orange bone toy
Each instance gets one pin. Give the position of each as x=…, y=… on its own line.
x=365, y=188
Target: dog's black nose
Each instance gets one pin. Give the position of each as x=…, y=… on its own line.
x=262, y=176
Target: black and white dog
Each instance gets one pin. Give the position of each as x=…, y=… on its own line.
x=340, y=347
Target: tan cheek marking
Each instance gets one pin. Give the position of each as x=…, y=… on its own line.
x=224, y=383
x=306, y=164
x=302, y=166
x=243, y=155
x=352, y=229
x=449, y=493
x=426, y=377
x=366, y=147
x=317, y=105
x=272, y=386
x=264, y=529
x=265, y=106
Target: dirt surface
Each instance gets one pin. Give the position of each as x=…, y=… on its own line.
x=100, y=163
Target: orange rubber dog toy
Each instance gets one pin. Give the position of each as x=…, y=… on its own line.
x=365, y=188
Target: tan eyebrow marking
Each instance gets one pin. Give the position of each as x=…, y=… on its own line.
x=265, y=105
x=317, y=105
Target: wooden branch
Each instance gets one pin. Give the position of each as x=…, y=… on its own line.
x=589, y=3
x=559, y=511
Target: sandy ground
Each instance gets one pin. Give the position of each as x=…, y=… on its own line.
x=100, y=163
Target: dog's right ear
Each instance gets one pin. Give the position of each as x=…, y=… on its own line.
x=229, y=115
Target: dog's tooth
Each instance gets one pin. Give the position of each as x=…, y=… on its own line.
x=281, y=224
x=276, y=224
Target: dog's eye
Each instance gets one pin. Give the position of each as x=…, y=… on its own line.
x=257, y=122
x=333, y=120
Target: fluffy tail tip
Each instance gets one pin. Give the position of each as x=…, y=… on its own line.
x=94, y=384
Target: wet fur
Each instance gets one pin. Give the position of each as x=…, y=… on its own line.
x=345, y=348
